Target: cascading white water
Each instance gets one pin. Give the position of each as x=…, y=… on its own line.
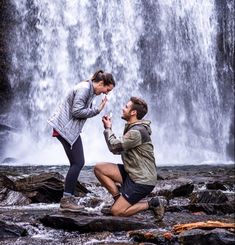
x=74, y=39
x=161, y=50
x=192, y=124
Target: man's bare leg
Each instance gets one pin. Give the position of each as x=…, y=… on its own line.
x=108, y=174
x=123, y=208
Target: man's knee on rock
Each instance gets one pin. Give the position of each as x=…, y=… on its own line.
x=117, y=212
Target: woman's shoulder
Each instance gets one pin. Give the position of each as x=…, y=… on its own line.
x=83, y=84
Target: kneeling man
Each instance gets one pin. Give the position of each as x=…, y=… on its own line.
x=137, y=175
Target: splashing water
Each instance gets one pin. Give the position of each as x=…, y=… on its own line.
x=163, y=51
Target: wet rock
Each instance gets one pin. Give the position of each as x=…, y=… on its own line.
x=183, y=190
x=193, y=236
x=207, y=208
x=42, y=187
x=210, y=208
x=6, y=182
x=180, y=187
x=95, y=223
x=216, y=185
x=8, y=230
x=216, y=236
x=209, y=202
x=159, y=177
x=181, y=209
x=211, y=196
x=153, y=237
x=9, y=197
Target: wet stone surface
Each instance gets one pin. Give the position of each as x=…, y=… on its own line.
x=190, y=193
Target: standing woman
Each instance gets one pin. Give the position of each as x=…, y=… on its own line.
x=68, y=121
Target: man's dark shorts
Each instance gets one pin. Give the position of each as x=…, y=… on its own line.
x=131, y=191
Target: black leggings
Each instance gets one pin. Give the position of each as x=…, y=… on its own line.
x=76, y=159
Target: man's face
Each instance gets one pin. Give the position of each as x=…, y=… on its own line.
x=126, y=111
x=101, y=88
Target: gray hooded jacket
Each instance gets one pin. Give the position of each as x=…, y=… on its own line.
x=69, y=118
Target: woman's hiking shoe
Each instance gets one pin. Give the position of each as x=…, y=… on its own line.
x=158, y=209
x=69, y=203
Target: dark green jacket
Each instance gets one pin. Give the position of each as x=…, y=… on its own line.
x=136, y=150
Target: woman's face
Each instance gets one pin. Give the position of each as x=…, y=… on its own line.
x=100, y=88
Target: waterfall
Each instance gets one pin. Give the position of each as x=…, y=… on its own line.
x=190, y=121
x=163, y=50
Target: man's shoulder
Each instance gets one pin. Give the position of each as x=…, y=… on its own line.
x=143, y=131
x=139, y=127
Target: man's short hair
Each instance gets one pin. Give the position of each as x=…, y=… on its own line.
x=140, y=106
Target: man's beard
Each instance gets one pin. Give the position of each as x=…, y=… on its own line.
x=125, y=117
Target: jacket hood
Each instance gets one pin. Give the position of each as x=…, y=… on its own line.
x=145, y=123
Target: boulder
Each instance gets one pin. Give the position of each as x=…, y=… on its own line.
x=153, y=236
x=209, y=196
x=96, y=223
x=214, y=236
x=180, y=187
x=216, y=185
x=9, y=198
x=42, y=187
x=8, y=230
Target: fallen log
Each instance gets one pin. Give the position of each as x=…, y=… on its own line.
x=202, y=225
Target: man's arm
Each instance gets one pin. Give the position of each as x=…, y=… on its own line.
x=116, y=145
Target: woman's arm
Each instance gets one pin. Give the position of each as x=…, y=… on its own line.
x=80, y=108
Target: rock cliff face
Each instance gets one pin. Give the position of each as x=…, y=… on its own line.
x=6, y=25
x=6, y=94
x=225, y=59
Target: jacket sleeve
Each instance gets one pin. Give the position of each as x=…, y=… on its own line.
x=80, y=107
x=128, y=141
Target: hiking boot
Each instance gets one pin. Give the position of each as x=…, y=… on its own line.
x=158, y=209
x=69, y=203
